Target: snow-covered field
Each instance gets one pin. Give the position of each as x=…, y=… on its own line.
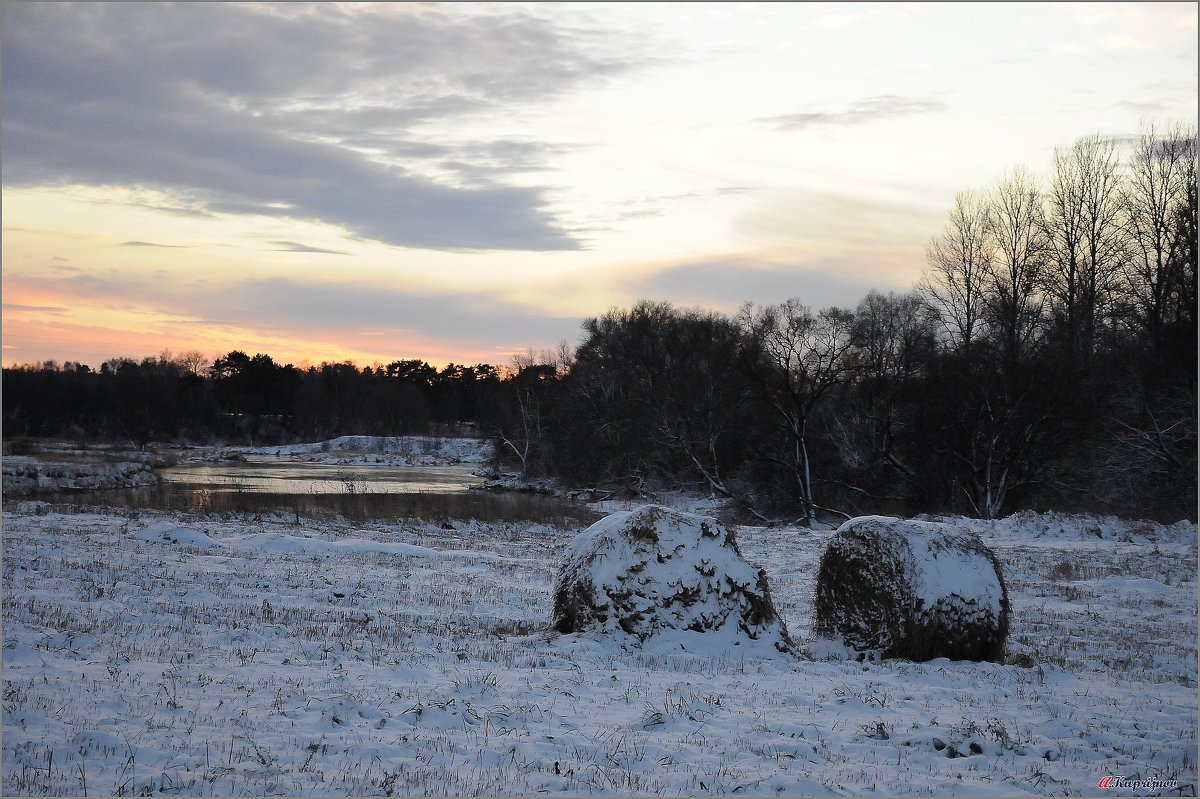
x=155, y=654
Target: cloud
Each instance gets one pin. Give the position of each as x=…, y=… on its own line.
x=47, y=309
x=317, y=114
x=454, y=318
x=294, y=246
x=727, y=283
x=877, y=223
x=860, y=112
x=648, y=206
x=1161, y=106
x=153, y=244
x=298, y=309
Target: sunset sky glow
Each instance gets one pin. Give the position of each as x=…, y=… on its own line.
x=462, y=182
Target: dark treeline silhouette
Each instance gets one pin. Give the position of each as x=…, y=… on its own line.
x=244, y=399
x=1046, y=360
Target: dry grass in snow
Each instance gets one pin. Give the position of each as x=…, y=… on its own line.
x=156, y=654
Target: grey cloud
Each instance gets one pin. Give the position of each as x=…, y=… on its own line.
x=51, y=309
x=860, y=112
x=1148, y=107
x=482, y=163
x=295, y=246
x=1122, y=140
x=249, y=115
x=633, y=214
x=153, y=244
x=402, y=149
x=233, y=167
x=648, y=206
x=331, y=118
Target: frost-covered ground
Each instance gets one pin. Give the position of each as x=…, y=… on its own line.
x=178, y=655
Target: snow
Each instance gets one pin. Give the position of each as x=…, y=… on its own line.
x=939, y=567
x=184, y=655
x=669, y=580
x=387, y=450
x=25, y=475
x=170, y=533
x=674, y=532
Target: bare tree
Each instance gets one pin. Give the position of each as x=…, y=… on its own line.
x=801, y=356
x=526, y=436
x=892, y=333
x=894, y=336
x=1003, y=431
x=959, y=260
x=1182, y=296
x=1162, y=171
x=1013, y=296
x=695, y=412
x=194, y=362
x=1088, y=244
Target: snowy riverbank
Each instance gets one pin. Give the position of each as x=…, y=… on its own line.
x=186, y=655
x=366, y=450
x=25, y=475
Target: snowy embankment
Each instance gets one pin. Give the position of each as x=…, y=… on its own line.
x=25, y=475
x=383, y=450
x=168, y=655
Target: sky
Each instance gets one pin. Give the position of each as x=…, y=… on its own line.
x=465, y=182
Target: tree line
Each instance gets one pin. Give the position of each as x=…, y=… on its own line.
x=1046, y=359
x=245, y=399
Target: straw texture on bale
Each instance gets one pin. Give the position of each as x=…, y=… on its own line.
x=912, y=589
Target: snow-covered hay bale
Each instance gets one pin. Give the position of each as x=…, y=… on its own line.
x=912, y=589
x=656, y=573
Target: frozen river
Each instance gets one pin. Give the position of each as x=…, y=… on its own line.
x=271, y=485
x=277, y=476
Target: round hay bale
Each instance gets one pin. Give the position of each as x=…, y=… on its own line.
x=912, y=589
x=656, y=573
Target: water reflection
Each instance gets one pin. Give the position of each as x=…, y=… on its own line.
x=284, y=477
x=328, y=491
